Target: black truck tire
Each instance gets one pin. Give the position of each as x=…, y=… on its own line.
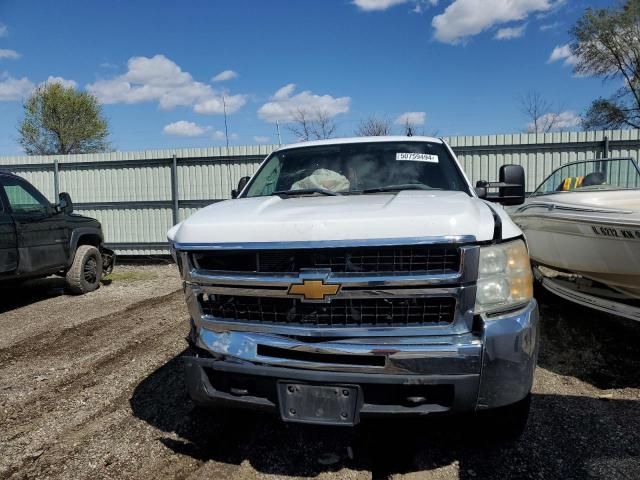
x=86, y=271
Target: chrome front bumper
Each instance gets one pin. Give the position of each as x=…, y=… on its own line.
x=491, y=368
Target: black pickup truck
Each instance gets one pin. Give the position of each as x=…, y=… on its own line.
x=38, y=239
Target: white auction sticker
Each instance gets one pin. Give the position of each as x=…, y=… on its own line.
x=417, y=157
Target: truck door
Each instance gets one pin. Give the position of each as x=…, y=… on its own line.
x=8, y=241
x=43, y=238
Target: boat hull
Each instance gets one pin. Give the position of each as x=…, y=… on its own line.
x=589, y=239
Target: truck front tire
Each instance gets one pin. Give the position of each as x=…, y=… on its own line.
x=86, y=271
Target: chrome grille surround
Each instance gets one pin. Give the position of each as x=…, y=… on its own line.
x=459, y=286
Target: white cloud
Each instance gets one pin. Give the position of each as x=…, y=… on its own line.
x=557, y=4
x=414, y=118
x=261, y=139
x=62, y=81
x=379, y=5
x=509, y=33
x=558, y=121
x=567, y=119
x=549, y=26
x=420, y=5
x=224, y=76
x=14, y=88
x=563, y=53
x=216, y=104
x=465, y=18
x=160, y=79
x=283, y=105
x=19, y=88
x=183, y=128
x=4, y=31
x=219, y=135
x=9, y=54
x=371, y=5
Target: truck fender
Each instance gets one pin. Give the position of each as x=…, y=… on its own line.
x=77, y=234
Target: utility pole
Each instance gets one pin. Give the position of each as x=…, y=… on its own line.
x=278, y=130
x=226, y=129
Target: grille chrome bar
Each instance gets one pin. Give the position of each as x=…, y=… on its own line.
x=383, y=292
x=377, y=242
x=201, y=277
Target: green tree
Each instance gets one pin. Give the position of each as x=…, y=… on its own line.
x=606, y=44
x=62, y=120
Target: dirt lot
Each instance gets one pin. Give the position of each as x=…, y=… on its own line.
x=91, y=387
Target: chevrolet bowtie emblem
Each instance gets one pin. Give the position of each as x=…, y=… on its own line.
x=313, y=289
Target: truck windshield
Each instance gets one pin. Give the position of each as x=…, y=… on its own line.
x=358, y=168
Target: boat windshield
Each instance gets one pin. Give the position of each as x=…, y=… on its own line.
x=588, y=175
x=358, y=168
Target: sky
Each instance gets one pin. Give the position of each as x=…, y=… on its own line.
x=162, y=68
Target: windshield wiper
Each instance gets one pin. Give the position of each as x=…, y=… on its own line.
x=394, y=188
x=304, y=191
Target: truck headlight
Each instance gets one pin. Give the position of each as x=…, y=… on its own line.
x=505, y=279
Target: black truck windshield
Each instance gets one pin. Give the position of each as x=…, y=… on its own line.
x=358, y=168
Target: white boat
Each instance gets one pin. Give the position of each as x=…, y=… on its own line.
x=584, y=221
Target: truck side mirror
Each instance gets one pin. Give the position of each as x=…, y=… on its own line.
x=510, y=186
x=512, y=175
x=241, y=184
x=65, y=204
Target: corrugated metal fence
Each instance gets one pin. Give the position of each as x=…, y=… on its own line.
x=138, y=196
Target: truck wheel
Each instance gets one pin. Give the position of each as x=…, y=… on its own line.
x=509, y=422
x=86, y=270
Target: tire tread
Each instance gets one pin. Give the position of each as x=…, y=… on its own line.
x=74, y=277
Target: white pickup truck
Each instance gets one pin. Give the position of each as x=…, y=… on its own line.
x=361, y=276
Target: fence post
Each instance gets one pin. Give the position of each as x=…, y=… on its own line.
x=174, y=189
x=606, y=147
x=56, y=180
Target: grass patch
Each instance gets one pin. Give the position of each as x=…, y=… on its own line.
x=129, y=276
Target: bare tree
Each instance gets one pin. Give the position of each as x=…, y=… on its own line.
x=540, y=113
x=301, y=127
x=374, y=127
x=323, y=127
x=315, y=125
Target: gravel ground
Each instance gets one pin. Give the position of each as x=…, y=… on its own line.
x=91, y=387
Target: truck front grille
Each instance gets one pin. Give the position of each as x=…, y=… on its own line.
x=389, y=259
x=339, y=312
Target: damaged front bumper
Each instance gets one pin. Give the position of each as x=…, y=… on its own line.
x=108, y=260
x=490, y=367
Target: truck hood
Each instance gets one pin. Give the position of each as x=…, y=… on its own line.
x=407, y=214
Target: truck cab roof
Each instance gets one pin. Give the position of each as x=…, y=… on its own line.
x=347, y=140
x=6, y=173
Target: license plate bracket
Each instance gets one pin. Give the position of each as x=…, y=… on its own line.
x=321, y=404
